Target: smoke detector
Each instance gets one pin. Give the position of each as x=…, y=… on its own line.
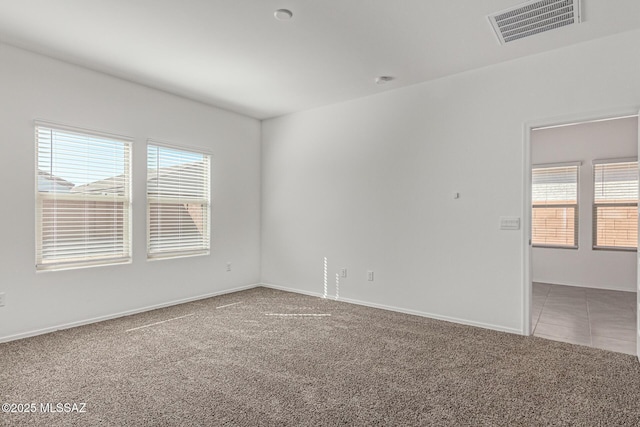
x=534, y=17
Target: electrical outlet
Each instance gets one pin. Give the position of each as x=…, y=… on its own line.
x=370, y=276
x=343, y=272
x=2, y=299
x=229, y=266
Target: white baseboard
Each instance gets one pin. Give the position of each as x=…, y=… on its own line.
x=295, y=291
x=242, y=288
x=575, y=285
x=401, y=310
x=122, y=314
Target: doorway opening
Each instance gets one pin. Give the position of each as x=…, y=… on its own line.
x=581, y=230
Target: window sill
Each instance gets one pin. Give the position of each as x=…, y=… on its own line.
x=553, y=247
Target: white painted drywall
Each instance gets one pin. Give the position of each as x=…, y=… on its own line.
x=369, y=183
x=585, y=142
x=33, y=86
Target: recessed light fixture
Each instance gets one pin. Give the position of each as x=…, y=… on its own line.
x=283, y=14
x=383, y=79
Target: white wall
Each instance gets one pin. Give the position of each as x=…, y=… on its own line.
x=584, y=266
x=33, y=86
x=368, y=183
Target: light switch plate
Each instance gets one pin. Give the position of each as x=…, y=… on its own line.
x=509, y=223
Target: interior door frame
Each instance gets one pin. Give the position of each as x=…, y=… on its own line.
x=526, y=265
x=638, y=260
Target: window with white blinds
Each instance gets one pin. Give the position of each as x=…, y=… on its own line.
x=615, y=204
x=555, y=206
x=178, y=201
x=83, y=204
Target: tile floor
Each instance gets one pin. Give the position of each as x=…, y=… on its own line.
x=592, y=317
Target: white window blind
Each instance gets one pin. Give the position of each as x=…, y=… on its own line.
x=178, y=201
x=555, y=206
x=615, y=204
x=82, y=198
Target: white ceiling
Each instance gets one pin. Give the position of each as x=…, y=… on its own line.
x=235, y=55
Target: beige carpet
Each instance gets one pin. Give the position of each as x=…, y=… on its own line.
x=277, y=358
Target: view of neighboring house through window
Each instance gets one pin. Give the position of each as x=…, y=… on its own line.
x=178, y=201
x=555, y=205
x=82, y=198
x=615, y=204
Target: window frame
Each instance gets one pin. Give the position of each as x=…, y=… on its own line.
x=40, y=197
x=576, y=206
x=206, y=250
x=595, y=205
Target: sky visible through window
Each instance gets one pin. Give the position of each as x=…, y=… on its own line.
x=83, y=159
x=163, y=157
x=79, y=159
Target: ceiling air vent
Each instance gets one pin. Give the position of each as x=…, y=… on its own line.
x=534, y=17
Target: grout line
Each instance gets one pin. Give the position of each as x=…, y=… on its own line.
x=558, y=338
x=158, y=323
x=546, y=297
x=615, y=339
x=589, y=320
x=551, y=322
x=537, y=321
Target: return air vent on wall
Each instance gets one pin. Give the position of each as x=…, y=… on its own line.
x=534, y=17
